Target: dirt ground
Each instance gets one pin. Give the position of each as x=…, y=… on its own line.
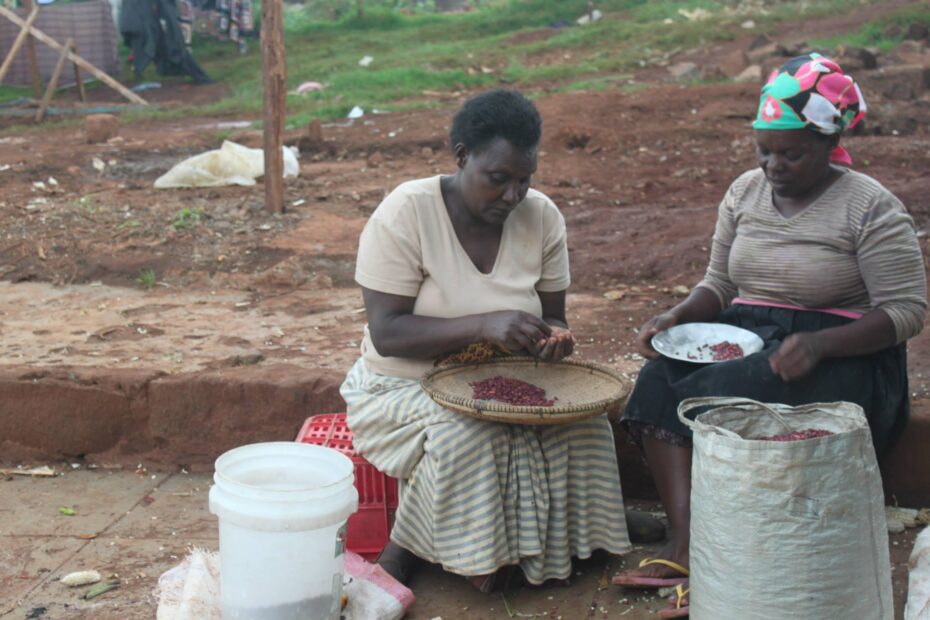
x=638, y=175
x=132, y=526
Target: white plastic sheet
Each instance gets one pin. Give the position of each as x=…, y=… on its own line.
x=918, y=587
x=231, y=164
x=786, y=529
x=191, y=590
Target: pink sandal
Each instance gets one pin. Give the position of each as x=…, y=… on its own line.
x=634, y=581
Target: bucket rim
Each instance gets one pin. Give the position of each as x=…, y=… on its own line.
x=293, y=447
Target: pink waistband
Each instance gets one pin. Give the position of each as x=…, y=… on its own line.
x=837, y=311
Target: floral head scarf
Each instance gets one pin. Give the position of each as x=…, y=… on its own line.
x=811, y=92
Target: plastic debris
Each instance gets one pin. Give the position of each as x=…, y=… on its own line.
x=365, y=61
x=138, y=88
x=899, y=519
x=68, y=512
x=231, y=164
x=356, y=112
x=696, y=15
x=309, y=87
x=589, y=18
x=81, y=578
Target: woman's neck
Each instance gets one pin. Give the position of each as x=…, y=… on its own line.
x=462, y=218
x=792, y=205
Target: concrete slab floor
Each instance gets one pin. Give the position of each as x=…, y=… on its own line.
x=136, y=525
x=130, y=525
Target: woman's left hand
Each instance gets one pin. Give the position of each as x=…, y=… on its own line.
x=797, y=356
x=557, y=346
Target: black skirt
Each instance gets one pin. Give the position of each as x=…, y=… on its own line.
x=876, y=382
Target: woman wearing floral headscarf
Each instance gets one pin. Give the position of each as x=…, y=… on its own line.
x=820, y=261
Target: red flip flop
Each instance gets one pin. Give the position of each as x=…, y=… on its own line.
x=633, y=581
x=679, y=610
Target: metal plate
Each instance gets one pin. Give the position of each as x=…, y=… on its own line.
x=690, y=342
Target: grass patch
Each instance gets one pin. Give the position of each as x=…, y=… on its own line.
x=533, y=45
x=12, y=93
x=146, y=279
x=885, y=33
x=187, y=218
x=597, y=84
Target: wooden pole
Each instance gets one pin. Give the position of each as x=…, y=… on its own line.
x=53, y=83
x=18, y=43
x=77, y=77
x=275, y=79
x=55, y=45
x=33, y=61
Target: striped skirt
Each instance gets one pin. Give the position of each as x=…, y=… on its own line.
x=482, y=495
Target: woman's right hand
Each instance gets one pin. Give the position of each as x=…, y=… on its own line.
x=650, y=328
x=515, y=330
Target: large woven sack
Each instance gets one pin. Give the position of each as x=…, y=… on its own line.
x=785, y=529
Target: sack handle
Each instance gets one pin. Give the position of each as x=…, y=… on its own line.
x=693, y=403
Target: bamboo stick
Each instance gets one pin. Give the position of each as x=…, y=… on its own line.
x=94, y=71
x=53, y=83
x=18, y=43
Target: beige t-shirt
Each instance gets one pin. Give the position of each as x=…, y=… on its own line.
x=855, y=248
x=409, y=248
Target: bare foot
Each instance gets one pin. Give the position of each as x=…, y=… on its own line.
x=484, y=583
x=673, y=600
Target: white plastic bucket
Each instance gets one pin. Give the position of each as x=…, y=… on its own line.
x=282, y=509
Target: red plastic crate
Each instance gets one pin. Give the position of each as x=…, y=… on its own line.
x=368, y=529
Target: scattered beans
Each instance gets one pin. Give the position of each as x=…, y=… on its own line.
x=511, y=391
x=807, y=433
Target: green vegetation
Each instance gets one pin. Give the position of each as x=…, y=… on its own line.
x=885, y=33
x=187, y=218
x=87, y=205
x=533, y=45
x=146, y=278
x=12, y=93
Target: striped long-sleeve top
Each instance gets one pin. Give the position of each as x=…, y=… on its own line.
x=855, y=248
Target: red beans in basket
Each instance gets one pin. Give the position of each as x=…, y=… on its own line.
x=807, y=433
x=510, y=391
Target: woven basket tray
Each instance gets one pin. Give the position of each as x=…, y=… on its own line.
x=582, y=389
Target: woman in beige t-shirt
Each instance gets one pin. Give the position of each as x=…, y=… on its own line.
x=449, y=261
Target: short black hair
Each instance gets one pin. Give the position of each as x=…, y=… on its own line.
x=498, y=113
